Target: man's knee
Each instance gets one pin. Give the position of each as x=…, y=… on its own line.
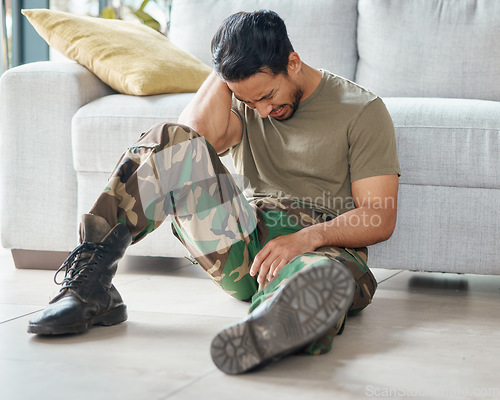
x=365, y=284
x=166, y=134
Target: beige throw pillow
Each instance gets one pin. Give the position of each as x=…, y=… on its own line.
x=131, y=58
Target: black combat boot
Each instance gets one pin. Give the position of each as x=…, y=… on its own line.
x=87, y=296
x=301, y=311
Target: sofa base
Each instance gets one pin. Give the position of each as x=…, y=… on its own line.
x=52, y=260
x=38, y=259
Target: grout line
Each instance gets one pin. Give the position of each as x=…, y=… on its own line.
x=383, y=280
x=196, y=380
x=130, y=309
x=21, y=316
x=139, y=278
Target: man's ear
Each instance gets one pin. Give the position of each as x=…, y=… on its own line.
x=294, y=63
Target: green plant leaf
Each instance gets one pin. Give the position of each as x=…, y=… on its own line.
x=147, y=19
x=144, y=3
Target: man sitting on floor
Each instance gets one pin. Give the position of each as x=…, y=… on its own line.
x=319, y=153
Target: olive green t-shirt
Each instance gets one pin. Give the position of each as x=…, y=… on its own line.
x=341, y=133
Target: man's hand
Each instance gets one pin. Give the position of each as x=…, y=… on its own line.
x=278, y=252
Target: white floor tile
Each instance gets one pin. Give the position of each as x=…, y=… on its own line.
x=147, y=357
x=425, y=335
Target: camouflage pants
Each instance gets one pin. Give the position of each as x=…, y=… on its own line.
x=172, y=170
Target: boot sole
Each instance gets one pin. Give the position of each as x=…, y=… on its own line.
x=112, y=317
x=302, y=311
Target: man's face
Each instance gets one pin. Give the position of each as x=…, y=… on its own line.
x=276, y=96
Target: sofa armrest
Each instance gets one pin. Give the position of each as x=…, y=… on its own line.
x=38, y=192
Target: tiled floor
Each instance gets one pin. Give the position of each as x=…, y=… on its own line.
x=424, y=336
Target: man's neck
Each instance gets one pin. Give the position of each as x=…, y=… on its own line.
x=311, y=78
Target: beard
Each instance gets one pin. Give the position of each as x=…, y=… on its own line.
x=297, y=95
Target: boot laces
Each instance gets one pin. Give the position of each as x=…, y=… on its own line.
x=75, y=265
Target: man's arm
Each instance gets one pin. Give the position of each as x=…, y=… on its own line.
x=371, y=222
x=209, y=113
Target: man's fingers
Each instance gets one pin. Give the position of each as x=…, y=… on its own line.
x=261, y=264
x=272, y=258
x=276, y=270
x=265, y=268
x=259, y=258
x=273, y=267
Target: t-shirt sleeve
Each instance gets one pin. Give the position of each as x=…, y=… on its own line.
x=372, y=143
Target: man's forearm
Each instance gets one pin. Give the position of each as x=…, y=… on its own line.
x=209, y=111
x=356, y=228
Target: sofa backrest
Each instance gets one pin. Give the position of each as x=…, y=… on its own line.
x=406, y=48
x=430, y=48
x=311, y=24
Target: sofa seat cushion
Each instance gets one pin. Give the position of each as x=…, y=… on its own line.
x=447, y=142
x=309, y=27
x=104, y=128
x=431, y=48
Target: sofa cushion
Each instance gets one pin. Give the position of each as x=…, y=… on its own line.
x=104, y=128
x=131, y=58
x=310, y=27
x=431, y=48
x=447, y=142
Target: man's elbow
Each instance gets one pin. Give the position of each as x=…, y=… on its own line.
x=389, y=228
x=387, y=233
x=386, y=228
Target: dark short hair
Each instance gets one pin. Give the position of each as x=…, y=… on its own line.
x=250, y=42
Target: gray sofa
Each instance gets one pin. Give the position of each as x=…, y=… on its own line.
x=435, y=63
